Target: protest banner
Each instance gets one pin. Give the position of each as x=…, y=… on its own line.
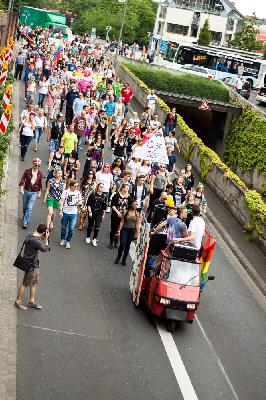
x=153, y=150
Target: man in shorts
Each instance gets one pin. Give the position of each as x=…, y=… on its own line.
x=34, y=242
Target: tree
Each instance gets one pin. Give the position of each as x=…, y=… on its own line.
x=139, y=20
x=205, y=35
x=264, y=51
x=246, y=38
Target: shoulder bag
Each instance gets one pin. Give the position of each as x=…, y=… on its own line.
x=23, y=263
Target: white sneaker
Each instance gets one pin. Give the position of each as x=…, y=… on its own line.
x=88, y=240
x=62, y=243
x=108, y=209
x=67, y=245
x=94, y=242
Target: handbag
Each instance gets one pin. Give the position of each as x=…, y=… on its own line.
x=23, y=263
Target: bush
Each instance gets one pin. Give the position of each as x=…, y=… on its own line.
x=181, y=83
x=245, y=146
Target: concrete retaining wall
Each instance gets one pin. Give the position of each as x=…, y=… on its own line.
x=225, y=188
x=253, y=177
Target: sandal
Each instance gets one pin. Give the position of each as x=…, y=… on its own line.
x=35, y=305
x=20, y=306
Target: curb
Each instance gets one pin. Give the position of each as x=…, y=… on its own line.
x=8, y=274
x=261, y=284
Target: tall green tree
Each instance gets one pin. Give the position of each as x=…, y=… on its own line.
x=139, y=20
x=205, y=35
x=246, y=38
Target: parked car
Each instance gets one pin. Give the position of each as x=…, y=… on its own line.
x=196, y=70
x=246, y=88
x=261, y=96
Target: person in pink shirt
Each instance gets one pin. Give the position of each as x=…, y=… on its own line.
x=49, y=102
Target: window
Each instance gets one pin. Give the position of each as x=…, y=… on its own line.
x=184, y=273
x=177, y=29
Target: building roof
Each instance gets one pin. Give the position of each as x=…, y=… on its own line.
x=233, y=7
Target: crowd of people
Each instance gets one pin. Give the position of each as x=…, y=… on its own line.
x=77, y=102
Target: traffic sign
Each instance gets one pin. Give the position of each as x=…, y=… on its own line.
x=205, y=106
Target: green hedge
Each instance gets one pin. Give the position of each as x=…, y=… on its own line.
x=245, y=145
x=181, y=83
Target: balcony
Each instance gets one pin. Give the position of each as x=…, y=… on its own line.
x=201, y=5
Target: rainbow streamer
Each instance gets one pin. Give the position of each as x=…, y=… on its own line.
x=207, y=253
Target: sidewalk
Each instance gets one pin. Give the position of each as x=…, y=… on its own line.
x=8, y=273
x=249, y=254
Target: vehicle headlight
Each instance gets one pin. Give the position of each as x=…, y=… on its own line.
x=164, y=301
x=191, y=306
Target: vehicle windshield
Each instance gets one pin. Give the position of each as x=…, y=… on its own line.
x=177, y=271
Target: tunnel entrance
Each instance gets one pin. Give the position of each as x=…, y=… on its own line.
x=208, y=125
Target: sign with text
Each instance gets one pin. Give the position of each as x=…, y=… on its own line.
x=153, y=150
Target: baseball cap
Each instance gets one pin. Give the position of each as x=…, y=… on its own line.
x=37, y=161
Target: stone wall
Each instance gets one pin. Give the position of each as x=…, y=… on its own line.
x=225, y=188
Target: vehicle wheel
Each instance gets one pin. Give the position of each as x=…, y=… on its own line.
x=171, y=325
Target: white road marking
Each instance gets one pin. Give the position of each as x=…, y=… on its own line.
x=219, y=362
x=56, y=331
x=177, y=364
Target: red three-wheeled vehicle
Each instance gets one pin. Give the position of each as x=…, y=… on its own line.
x=170, y=282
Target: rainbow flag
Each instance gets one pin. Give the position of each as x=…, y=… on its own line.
x=206, y=256
x=58, y=51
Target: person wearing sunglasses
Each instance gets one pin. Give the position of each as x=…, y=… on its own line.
x=70, y=200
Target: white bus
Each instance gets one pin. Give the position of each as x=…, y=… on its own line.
x=223, y=62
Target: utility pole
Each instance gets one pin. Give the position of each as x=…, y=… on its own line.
x=121, y=30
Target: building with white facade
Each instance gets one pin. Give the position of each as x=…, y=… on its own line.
x=181, y=20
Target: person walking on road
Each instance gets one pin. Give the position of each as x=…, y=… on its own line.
x=34, y=242
x=70, y=200
x=31, y=189
x=53, y=194
x=126, y=94
x=20, y=60
x=96, y=212
x=40, y=125
x=87, y=187
x=69, y=141
x=56, y=133
x=27, y=133
x=128, y=230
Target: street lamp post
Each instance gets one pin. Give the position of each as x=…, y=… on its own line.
x=121, y=29
x=159, y=39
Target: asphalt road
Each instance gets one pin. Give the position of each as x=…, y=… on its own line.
x=91, y=342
